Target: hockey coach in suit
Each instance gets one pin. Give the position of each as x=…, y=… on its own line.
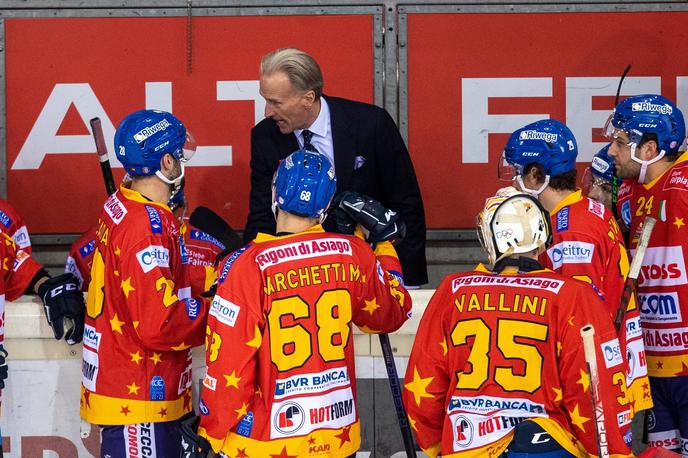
x=360, y=139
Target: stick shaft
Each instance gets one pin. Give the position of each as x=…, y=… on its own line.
x=588, y=335
x=101, y=149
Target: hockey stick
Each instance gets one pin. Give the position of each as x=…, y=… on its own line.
x=393, y=377
x=211, y=223
x=632, y=278
x=101, y=149
x=615, y=179
x=588, y=335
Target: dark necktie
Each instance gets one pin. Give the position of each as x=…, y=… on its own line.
x=307, y=145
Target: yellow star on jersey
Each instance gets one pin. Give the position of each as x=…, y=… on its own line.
x=117, y=251
x=557, y=392
x=156, y=358
x=443, y=344
x=181, y=346
x=257, y=338
x=678, y=222
x=136, y=324
x=126, y=287
x=571, y=320
x=133, y=388
x=371, y=306
x=368, y=330
x=558, y=348
x=578, y=419
x=242, y=410
x=116, y=324
x=135, y=357
x=232, y=380
x=419, y=386
x=259, y=392
x=412, y=422
x=584, y=381
x=116, y=273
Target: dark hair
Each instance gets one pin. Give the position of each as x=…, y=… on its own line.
x=563, y=182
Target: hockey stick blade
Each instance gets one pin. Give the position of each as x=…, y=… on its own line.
x=210, y=222
x=101, y=149
x=395, y=386
x=634, y=271
x=588, y=334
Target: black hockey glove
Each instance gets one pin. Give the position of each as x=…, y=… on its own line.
x=64, y=303
x=345, y=223
x=193, y=445
x=3, y=367
x=380, y=223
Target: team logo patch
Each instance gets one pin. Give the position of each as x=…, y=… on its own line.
x=463, y=432
x=626, y=213
x=289, y=418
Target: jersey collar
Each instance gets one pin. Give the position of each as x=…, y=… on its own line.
x=482, y=268
x=572, y=198
x=136, y=196
x=682, y=158
x=262, y=237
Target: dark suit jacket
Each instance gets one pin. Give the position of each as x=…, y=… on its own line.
x=358, y=130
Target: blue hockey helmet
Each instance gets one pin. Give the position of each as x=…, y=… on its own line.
x=602, y=165
x=648, y=114
x=548, y=143
x=304, y=184
x=145, y=136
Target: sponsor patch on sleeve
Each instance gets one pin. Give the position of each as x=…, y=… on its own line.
x=154, y=218
x=563, y=219
x=611, y=352
x=570, y=252
x=5, y=219
x=225, y=311
x=115, y=209
x=21, y=237
x=596, y=208
x=153, y=256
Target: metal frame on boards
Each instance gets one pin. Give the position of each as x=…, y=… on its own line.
x=501, y=7
x=106, y=9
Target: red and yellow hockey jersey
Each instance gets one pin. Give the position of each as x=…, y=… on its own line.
x=494, y=350
x=663, y=281
x=16, y=272
x=201, y=251
x=80, y=258
x=279, y=348
x=587, y=244
x=141, y=319
x=13, y=225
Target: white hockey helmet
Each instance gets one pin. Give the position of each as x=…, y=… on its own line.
x=513, y=222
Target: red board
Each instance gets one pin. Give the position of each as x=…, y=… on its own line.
x=58, y=71
x=465, y=70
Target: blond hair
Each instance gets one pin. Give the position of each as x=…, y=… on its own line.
x=301, y=69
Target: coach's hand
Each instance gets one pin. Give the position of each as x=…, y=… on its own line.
x=64, y=307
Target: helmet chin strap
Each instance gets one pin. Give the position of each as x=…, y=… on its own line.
x=643, y=164
x=176, y=182
x=533, y=192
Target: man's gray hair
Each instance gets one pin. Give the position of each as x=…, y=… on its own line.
x=301, y=69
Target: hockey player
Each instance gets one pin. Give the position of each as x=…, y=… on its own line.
x=13, y=225
x=141, y=319
x=280, y=353
x=597, y=179
x=497, y=361
x=587, y=242
x=647, y=132
x=201, y=250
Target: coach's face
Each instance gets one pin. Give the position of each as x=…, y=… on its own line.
x=290, y=108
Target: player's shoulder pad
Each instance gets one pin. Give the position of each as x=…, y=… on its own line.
x=230, y=260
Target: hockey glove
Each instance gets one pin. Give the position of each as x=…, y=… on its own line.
x=64, y=303
x=193, y=445
x=3, y=366
x=379, y=223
